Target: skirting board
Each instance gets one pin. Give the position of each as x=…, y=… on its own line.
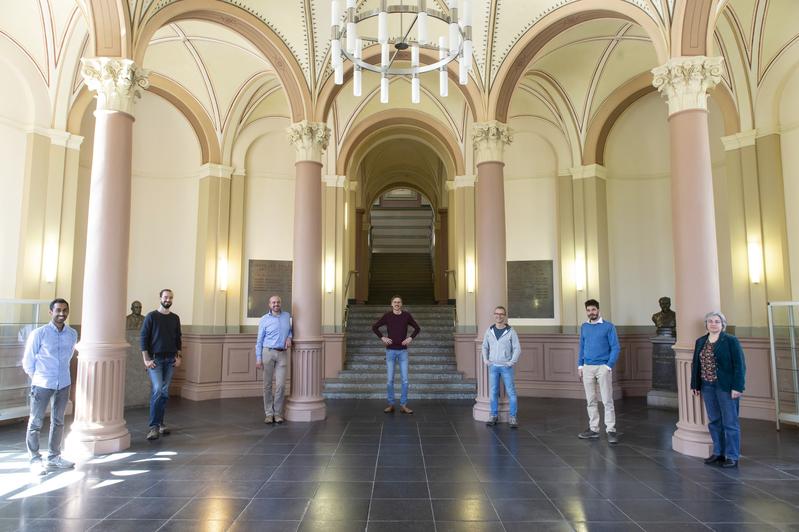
x=218, y=390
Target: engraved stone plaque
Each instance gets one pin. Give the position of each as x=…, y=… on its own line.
x=531, y=293
x=266, y=279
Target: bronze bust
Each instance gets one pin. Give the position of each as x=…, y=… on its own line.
x=666, y=318
x=134, y=320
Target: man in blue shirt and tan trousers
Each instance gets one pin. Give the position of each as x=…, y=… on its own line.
x=48, y=353
x=272, y=355
x=599, y=351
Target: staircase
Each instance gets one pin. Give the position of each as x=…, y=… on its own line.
x=408, y=275
x=401, y=230
x=432, y=373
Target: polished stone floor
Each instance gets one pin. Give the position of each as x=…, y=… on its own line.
x=438, y=470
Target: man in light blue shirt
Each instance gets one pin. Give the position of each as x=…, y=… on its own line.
x=48, y=353
x=274, y=337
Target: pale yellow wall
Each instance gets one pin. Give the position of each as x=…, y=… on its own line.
x=530, y=204
x=269, y=203
x=12, y=153
x=639, y=212
x=789, y=141
x=163, y=236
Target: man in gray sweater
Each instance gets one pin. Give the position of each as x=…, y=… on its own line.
x=501, y=350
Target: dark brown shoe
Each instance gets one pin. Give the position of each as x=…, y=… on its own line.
x=405, y=410
x=389, y=409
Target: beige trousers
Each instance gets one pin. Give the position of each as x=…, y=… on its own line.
x=275, y=366
x=602, y=375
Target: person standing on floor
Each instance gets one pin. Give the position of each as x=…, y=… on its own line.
x=161, y=343
x=718, y=373
x=599, y=350
x=48, y=352
x=274, y=335
x=396, y=340
x=501, y=350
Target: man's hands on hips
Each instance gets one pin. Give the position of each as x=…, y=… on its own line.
x=407, y=341
x=386, y=340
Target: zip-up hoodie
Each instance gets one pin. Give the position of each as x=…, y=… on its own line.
x=502, y=352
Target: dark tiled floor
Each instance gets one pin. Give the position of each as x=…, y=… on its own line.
x=438, y=470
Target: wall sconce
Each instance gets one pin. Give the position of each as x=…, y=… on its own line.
x=330, y=275
x=222, y=272
x=50, y=261
x=579, y=271
x=470, y=277
x=755, y=254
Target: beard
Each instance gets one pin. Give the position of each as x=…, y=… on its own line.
x=166, y=304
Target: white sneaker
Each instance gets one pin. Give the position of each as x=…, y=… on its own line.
x=163, y=430
x=38, y=468
x=59, y=463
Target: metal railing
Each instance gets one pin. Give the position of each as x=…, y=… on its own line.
x=346, y=298
x=784, y=359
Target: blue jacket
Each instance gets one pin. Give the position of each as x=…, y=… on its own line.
x=599, y=344
x=730, y=364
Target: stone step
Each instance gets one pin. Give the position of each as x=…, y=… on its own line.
x=412, y=395
x=415, y=350
x=414, y=375
x=418, y=360
x=467, y=385
x=381, y=366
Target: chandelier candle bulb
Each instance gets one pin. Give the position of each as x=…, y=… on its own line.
x=384, y=55
x=443, y=82
x=454, y=37
x=466, y=16
x=358, y=53
x=335, y=13
x=352, y=36
x=421, y=26
x=356, y=82
x=335, y=53
x=339, y=73
x=468, y=50
x=382, y=27
x=415, y=90
x=384, y=89
x=415, y=55
x=463, y=73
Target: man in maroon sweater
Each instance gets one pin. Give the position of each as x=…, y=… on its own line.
x=396, y=341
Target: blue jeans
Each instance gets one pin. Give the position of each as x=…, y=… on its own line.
x=722, y=413
x=40, y=398
x=392, y=356
x=160, y=378
x=493, y=388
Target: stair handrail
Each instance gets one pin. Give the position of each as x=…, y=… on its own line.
x=346, y=298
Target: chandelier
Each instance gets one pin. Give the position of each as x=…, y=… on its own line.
x=348, y=42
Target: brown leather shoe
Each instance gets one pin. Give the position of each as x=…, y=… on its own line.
x=389, y=409
x=405, y=410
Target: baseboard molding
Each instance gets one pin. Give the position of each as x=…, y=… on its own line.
x=217, y=390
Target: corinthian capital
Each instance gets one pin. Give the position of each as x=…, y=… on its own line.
x=489, y=140
x=684, y=81
x=116, y=82
x=309, y=139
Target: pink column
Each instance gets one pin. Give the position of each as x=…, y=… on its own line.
x=306, y=402
x=684, y=81
x=99, y=425
x=489, y=141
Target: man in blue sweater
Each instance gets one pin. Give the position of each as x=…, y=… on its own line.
x=599, y=351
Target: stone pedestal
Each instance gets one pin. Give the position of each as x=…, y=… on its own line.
x=137, y=383
x=664, y=373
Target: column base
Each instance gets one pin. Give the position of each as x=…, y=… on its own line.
x=662, y=399
x=481, y=411
x=79, y=444
x=692, y=443
x=306, y=411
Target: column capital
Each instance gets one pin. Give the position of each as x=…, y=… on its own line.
x=489, y=140
x=215, y=170
x=684, y=81
x=116, y=82
x=335, y=181
x=309, y=139
x=739, y=140
x=461, y=181
x=589, y=170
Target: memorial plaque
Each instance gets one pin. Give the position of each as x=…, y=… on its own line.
x=531, y=292
x=266, y=279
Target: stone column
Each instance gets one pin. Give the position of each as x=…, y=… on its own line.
x=212, y=269
x=442, y=258
x=684, y=82
x=99, y=426
x=306, y=403
x=361, y=256
x=490, y=139
x=235, y=247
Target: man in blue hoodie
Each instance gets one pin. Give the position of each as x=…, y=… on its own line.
x=599, y=351
x=501, y=350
